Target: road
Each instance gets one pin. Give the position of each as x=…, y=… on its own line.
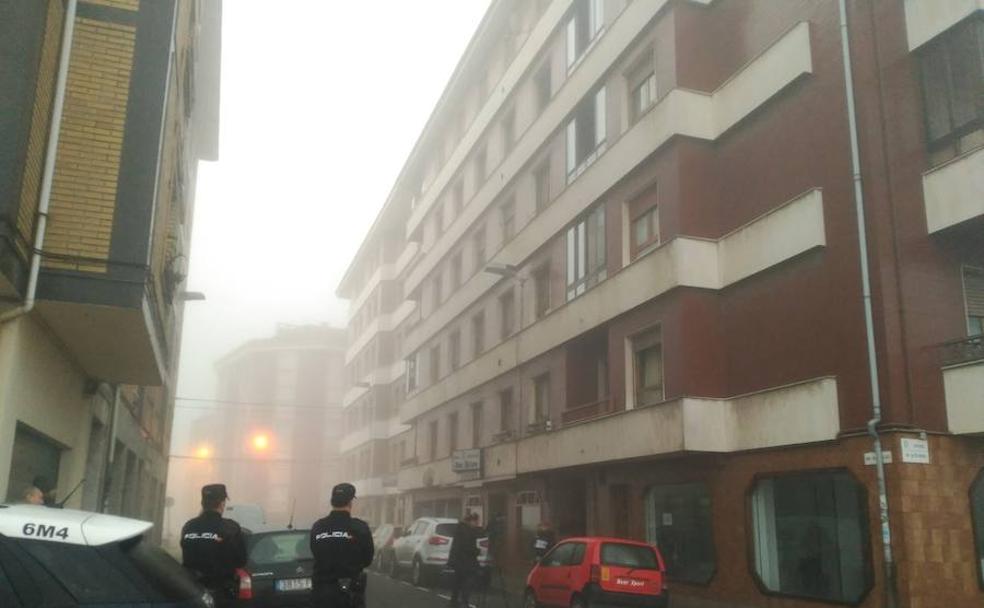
x=385, y=592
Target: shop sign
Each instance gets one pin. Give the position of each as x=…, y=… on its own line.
x=464, y=461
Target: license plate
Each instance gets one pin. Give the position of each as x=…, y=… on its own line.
x=293, y=584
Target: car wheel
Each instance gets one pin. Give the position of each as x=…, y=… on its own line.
x=579, y=602
x=417, y=574
x=529, y=600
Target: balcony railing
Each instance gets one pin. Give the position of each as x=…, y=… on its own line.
x=588, y=411
x=962, y=351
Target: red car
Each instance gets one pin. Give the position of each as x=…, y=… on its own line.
x=585, y=572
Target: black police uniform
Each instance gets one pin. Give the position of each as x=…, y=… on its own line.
x=212, y=547
x=463, y=559
x=342, y=548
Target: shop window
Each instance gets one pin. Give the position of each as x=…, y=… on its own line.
x=810, y=535
x=678, y=520
x=973, y=286
x=977, y=512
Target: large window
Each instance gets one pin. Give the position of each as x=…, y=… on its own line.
x=477, y=414
x=973, y=286
x=541, y=290
x=432, y=447
x=678, y=521
x=454, y=349
x=435, y=363
x=586, y=133
x=977, y=512
x=586, y=252
x=541, y=399
x=953, y=83
x=507, y=314
x=34, y=455
x=586, y=22
x=645, y=230
x=647, y=357
x=453, y=432
x=507, y=216
x=478, y=334
x=478, y=247
x=506, y=411
x=412, y=378
x=810, y=536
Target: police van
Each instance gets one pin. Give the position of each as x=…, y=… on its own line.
x=67, y=558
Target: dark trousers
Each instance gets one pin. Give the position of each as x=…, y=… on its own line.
x=332, y=596
x=465, y=579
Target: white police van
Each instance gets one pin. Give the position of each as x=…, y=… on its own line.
x=65, y=558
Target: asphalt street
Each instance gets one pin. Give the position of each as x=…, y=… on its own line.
x=385, y=592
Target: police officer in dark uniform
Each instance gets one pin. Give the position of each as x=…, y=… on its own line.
x=342, y=548
x=212, y=547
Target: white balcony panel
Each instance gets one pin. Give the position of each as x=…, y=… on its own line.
x=964, y=385
x=954, y=192
x=926, y=19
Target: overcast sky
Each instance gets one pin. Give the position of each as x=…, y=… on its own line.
x=321, y=103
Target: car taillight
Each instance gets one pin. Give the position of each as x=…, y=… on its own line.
x=245, y=585
x=595, y=573
x=437, y=540
x=484, y=543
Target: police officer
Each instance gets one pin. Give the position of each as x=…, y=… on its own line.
x=342, y=548
x=212, y=547
x=463, y=559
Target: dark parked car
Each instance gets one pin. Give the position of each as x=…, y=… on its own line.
x=278, y=574
x=69, y=559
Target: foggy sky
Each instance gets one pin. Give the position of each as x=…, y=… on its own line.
x=321, y=103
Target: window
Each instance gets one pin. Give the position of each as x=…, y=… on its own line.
x=458, y=197
x=506, y=411
x=586, y=133
x=455, y=272
x=645, y=230
x=33, y=455
x=508, y=131
x=435, y=363
x=648, y=359
x=541, y=182
x=678, y=521
x=953, y=83
x=478, y=333
x=507, y=316
x=628, y=556
x=977, y=516
x=478, y=247
x=587, y=20
x=810, y=535
x=560, y=556
x=412, y=378
x=507, y=213
x=601, y=367
x=541, y=290
x=543, y=83
x=432, y=448
x=476, y=418
x=481, y=167
x=438, y=289
x=541, y=399
x=973, y=285
x=586, y=252
x=454, y=349
x=641, y=81
x=453, y=431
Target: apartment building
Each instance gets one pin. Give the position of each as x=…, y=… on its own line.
x=107, y=107
x=273, y=432
x=640, y=303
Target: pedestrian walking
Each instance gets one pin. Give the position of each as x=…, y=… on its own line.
x=213, y=547
x=544, y=541
x=463, y=559
x=342, y=548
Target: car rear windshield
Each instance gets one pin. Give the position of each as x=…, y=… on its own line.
x=56, y=574
x=446, y=530
x=628, y=556
x=279, y=548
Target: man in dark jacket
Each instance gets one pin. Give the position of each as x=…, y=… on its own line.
x=463, y=559
x=544, y=541
x=342, y=548
x=212, y=547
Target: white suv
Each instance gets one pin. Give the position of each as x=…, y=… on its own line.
x=424, y=549
x=62, y=557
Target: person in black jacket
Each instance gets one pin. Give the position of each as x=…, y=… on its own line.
x=463, y=559
x=544, y=541
x=213, y=547
x=342, y=548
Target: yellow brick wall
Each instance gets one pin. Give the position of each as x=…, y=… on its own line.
x=87, y=167
x=34, y=160
x=129, y=5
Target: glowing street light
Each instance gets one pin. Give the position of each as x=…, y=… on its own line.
x=260, y=442
x=203, y=452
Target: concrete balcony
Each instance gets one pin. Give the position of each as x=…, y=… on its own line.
x=926, y=20
x=963, y=382
x=376, y=431
x=952, y=192
x=802, y=413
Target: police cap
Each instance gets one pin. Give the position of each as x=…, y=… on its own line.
x=342, y=494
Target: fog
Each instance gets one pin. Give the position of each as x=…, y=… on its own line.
x=321, y=103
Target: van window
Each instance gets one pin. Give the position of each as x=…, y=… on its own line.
x=628, y=556
x=560, y=556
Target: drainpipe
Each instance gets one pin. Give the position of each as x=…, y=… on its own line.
x=48, y=176
x=891, y=594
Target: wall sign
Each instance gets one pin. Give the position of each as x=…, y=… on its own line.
x=915, y=451
x=463, y=461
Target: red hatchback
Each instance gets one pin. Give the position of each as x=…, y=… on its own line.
x=596, y=571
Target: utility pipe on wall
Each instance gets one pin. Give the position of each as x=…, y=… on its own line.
x=891, y=593
x=48, y=176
